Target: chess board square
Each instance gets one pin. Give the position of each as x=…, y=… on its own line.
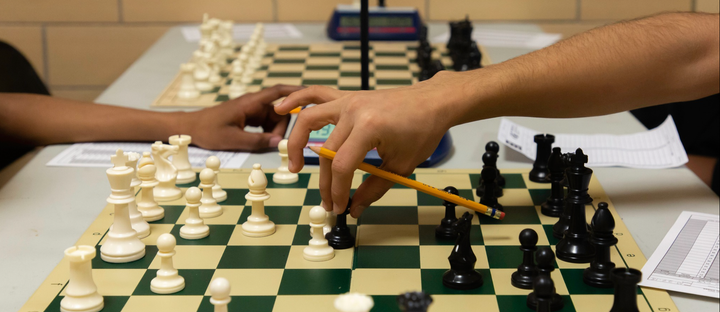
x=284, y=74
x=305, y=217
x=285, y=197
x=110, y=303
x=325, y=54
x=539, y=196
x=219, y=235
x=235, y=197
x=155, y=231
x=302, y=182
x=548, y=230
x=436, y=257
x=351, y=54
x=394, y=74
x=314, y=182
x=324, y=61
x=384, y=60
x=222, y=97
x=354, y=59
x=291, y=54
x=385, y=257
x=196, y=282
x=230, y=215
x=283, y=236
x=115, y=282
x=172, y=213
x=320, y=74
x=385, y=281
x=431, y=215
x=326, y=47
x=392, y=66
x=251, y=303
x=269, y=82
x=355, y=67
x=465, y=303
x=343, y=260
x=389, y=215
x=519, y=304
x=315, y=282
x=388, y=47
x=312, y=197
x=515, y=197
x=512, y=180
x=354, y=74
x=142, y=263
x=505, y=257
x=250, y=282
x=574, y=281
x=323, y=82
x=459, y=181
x=515, y=215
x=293, y=48
x=534, y=185
x=432, y=283
x=396, y=185
x=193, y=257
x=427, y=236
x=598, y=303
x=615, y=257
x=256, y=83
x=254, y=257
x=213, y=90
x=429, y=200
x=321, y=303
x=278, y=214
x=385, y=303
x=388, y=235
x=302, y=234
x=503, y=284
x=545, y=220
x=398, y=197
x=402, y=54
x=507, y=234
x=193, y=183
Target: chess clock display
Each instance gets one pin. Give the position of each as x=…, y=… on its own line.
x=394, y=24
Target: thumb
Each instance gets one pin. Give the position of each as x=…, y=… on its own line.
x=250, y=141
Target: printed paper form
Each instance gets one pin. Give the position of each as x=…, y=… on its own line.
x=686, y=260
x=653, y=149
x=98, y=155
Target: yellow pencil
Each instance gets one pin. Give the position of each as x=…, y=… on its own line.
x=427, y=189
x=296, y=110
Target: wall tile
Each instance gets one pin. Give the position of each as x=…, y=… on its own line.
x=710, y=6
x=28, y=40
x=95, y=55
x=627, y=9
x=502, y=9
x=418, y=4
x=58, y=10
x=192, y=10
x=306, y=11
x=80, y=94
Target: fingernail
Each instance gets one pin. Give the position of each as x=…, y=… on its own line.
x=274, y=141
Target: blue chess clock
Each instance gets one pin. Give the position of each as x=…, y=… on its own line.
x=394, y=24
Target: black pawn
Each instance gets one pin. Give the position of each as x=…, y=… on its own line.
x=544, y=290
x=488, y=176
x=545, y=258
x=489, y=159
x=339, y=236
x=563, y=224
x=462, y=274
x=527, y=271
x=492, y=146
x=574, y=246
x=602, y=225
x=625, y=281
x=553, y=207
x=414, y=301
x=445, y=230
x=540, y=172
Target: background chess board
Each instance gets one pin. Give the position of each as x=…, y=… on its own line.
x=396, y=251
x=392, y=64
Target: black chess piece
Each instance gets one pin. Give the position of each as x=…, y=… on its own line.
x=462, y=274
x=563, y=224
x=474, y=57
x=446, y=230
x=424, y=56
x=602, y=225
x=414, y=301
x=540, y=172
x=492, y=146
x=574, y=246
x=544, y=289
x=526, y=271
x=339, y=236
x=489, y=159
x=487, y=177
x=460, y=43
x=553, y=206
x=626, y=282
x=545, y=258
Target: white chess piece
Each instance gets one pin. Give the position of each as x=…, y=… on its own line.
x=201, y=74
x=258, y=224
x=187, y=84
x=167, y=281
x=209, y=207
x=283, y=174
x=247, y=77
x=147, y=205
x=122, y=243
x=181, y=160
x=237, y=88
x=213, y=162
x=194, y=227
x=318, y=248
x=136, y=218
x=81, y=293
x=220, y=292
x=354, y=302
x=330, y=220
x=166, y=172
x=237, y=68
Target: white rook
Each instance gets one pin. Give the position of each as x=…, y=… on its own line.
x=81, y=293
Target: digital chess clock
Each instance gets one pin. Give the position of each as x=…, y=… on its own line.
x=394, y=24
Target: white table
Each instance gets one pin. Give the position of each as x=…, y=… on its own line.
x=43, y=210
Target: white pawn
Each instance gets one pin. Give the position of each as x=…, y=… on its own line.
x=181, y=160
x=354, y=302
x=201, y=74
x=147, y=205
x=81, y=293
x=166, y=172
x=237, y=88
x=187, y=84
x=330, y=220
x=258, y=224
x=167, y=281
x=283, y=174
x=247, y=77
x=136, y=218
x=237, y=68
x=209, y=207
x=213, y=162
x=220, y=292
x=194, y=227
x=318, y=248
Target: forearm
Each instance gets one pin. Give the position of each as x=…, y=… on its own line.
x=661, y=59
x=40, y=120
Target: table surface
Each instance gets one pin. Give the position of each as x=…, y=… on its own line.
x=39, y=219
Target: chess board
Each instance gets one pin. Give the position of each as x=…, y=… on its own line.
x=396, y=251
x=392, y=64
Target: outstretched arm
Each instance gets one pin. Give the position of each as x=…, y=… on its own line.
x=660, y=59
x=41, y=120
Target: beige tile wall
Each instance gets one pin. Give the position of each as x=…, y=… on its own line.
x=81, y=46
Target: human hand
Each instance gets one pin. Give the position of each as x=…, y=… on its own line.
x=221, y=127
x=404, y=124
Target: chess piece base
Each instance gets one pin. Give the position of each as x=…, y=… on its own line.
x=539, y=175
x=257, y=229
x=318, y=254
x=522, y=281
x=443, y=232
x=203, y=85
x=462, y=280
x=340, y=239
x=90, y=303
x=196, y=232
x=575, y=250
x=152, y=214
x=166, y=193
x=552, y=208
x=285, y=177
x=599, y=278
x=556, y=305
x=167, y=286
x=185, y=176
x=121, y=259
x=210, y=211
x=220, y=196
x=188, y=94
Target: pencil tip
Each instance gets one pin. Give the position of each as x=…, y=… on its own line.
x=315, y=149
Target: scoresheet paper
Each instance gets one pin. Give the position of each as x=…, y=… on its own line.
x=653, y=149
x=686, y=260
x=98, y=155
x=242, y=32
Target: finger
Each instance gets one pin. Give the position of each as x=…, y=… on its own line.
x=370, y=191
x=346, y=161
x=310, y=119
x=309, y=95
x=248, y=141
x=334, y=141
x=273, y=93
x=280, y=127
